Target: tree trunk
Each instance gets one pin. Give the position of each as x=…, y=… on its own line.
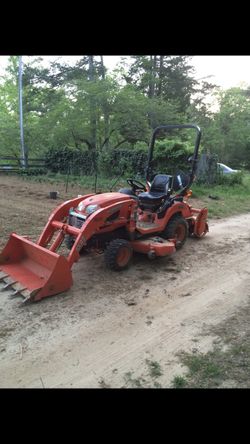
x=93, y=114
x=154, y=75
x=153, y=65
x=105, y=112
x=160, y=76
x=75, y=139
x=92, y=104
x=150, y=88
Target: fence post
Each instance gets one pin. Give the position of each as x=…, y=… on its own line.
x=67, y=179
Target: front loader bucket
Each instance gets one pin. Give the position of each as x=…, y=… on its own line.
x=33, y=271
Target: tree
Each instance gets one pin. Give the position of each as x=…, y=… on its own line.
x=9, y=117
x=234, y=124
x=167, y=77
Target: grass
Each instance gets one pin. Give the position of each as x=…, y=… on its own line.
x=229, y=199
x=87, y=182
x=221, y=367
x=154, y=368
x=204, y=370
x=134, y=382
x=179, y=382
x=203, y=364
x=154, y=372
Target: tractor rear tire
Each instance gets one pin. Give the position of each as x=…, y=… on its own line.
x=118, y=254
x=177, y=228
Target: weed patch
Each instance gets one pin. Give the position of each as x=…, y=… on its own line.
x=222, y=365
x=154, y=368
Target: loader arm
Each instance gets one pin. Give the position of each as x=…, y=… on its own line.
x=35, y=270
x=59, y=214
x=96, y=223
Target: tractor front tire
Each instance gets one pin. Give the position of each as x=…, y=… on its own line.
x=69, y=241
x=118, y=254
x=177, y=228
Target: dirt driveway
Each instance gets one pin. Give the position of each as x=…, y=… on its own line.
x=111, y=325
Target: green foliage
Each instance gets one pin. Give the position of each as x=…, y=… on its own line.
x=9, y=123
x=32, y=172
x=231, y=124
x=155, y=370
x=167, y=77
x=228, y=200
x=126, y=162
x=169, y=157
x=74, y=161
x=222, y=366
x=82, y=118
x=230, y=179
x=202, y=364
x=179, y=382
x=208, y=172
x=130, y=116
x=160, y=112
x=134, y=382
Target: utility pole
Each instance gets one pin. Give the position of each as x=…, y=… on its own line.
x=20, y=87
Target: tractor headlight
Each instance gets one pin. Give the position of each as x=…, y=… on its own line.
x=91, y=209
x=81, y=206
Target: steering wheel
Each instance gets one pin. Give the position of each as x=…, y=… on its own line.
x=136, y=185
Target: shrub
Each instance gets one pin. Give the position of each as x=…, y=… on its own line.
x=128, y=162
x=230, y=179
x=75, y=161
x=32, y=171
x=168, y=157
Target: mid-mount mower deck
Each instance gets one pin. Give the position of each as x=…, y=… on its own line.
x=153, y=219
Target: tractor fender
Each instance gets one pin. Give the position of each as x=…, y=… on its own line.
x=177, y=209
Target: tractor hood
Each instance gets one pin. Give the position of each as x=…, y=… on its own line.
x=93, y=203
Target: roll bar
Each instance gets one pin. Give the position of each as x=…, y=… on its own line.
x=170, y=127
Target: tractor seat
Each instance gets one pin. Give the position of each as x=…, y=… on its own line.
x=159, y=191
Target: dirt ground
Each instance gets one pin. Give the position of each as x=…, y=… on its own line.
x=110, y=325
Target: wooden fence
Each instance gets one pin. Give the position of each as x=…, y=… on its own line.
x=11, y=164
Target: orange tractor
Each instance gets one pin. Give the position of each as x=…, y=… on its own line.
x=154, y=219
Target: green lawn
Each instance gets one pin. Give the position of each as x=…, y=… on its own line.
x=224, y=200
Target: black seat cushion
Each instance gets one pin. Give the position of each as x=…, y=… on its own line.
x=153, y=198
x=159, y=191
x=161, y=183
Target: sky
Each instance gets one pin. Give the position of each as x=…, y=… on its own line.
x=225, y=71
